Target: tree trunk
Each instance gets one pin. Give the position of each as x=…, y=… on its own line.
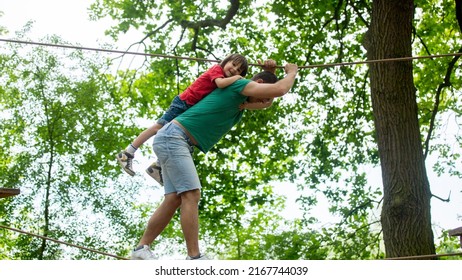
x=405, y=217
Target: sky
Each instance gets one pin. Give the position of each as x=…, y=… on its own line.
x=69, y=19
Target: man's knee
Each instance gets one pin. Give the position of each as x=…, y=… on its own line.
x=192, y=196
x=173, y=200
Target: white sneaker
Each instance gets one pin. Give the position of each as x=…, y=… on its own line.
x=155, y=172
x=143, y=254
x=125, y=160
x=202, y=257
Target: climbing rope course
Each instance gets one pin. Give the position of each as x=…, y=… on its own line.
x=61, y=242
x=341, y=64
x=212, y=60
x=123, y=258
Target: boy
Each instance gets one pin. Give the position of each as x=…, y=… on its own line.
x=231, y=69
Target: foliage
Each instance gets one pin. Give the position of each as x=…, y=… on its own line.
x=63, y=130
x=449, y=245
x=313, y=147
x=57, y=146
x=2, y=28
x=331, y=132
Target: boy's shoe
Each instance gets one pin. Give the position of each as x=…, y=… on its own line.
x=155, y=172
x=202, y=257
x=143, y=254
x=125, y=160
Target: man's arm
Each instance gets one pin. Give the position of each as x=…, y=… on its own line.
x=278, y=89
x=256, y=103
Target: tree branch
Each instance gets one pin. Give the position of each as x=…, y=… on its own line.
x=214, y=22
x=198, y=25
x=446, y=83
x=359, y=14
x=442, y=199
x=156, y=30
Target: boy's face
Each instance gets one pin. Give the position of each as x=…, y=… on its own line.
x=232, y=68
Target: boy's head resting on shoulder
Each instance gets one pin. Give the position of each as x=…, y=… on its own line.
x=237, y=59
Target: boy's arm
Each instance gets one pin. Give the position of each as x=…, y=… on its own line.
x=269, y=65
x=224, y=82
x=257, y=104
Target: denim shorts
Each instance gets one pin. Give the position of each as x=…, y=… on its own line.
x=174, y=152
x=177, y=107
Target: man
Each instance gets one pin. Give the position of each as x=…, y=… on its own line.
x=202, y=126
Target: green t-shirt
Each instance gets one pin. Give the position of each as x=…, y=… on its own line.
x=214, y=115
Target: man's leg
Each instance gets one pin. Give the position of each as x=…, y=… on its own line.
x=160, y=219
x=190, y=220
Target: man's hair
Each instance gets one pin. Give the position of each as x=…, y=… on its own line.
x=238, y=59
x=266, y=76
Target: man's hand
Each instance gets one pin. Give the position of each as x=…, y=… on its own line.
x=291, y=68
x=269, y=65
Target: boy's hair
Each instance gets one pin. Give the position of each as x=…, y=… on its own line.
x=266, y=76
x=238, y=59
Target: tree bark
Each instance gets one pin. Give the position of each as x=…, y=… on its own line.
x=405, y=217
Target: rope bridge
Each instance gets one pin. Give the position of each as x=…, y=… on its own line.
x=212, y=60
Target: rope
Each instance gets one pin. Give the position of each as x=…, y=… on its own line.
x=104, y=50
x=212, y=60
x=118, y=257
x=62, y=242
x=382, y=60
x=425, y=256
